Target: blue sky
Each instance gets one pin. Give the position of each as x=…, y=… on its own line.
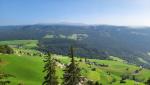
x=114, y=12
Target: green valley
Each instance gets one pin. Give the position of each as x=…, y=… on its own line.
x=27, y=68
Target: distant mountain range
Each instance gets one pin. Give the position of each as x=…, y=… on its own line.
x=94, y=41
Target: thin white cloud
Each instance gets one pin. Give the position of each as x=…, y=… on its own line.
x=142, y=3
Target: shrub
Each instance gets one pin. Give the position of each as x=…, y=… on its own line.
x=122, y=81
x=147, y=82
x=97, y=83
x=93, y=69
x=90, y=82
x=6, y=49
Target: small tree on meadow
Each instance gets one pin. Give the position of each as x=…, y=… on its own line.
x=85, y=59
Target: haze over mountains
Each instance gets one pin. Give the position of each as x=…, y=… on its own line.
x=92, y=41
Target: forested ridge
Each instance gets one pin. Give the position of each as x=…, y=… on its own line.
x=98, y=41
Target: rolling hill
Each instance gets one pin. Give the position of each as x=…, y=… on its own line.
x=99, y=41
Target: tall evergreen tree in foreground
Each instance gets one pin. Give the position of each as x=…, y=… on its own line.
x=72, y=72
x=50, y=69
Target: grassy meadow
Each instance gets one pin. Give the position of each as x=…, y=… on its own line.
x=28, y=69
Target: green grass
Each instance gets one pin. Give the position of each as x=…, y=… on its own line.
x=24, y=43
x=48, y=36
x=28, y=69
x=116, y=69
x=116, y=59
x=143, y=61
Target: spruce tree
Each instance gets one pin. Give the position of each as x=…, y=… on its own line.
x=72, y=71
x=50, y=69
